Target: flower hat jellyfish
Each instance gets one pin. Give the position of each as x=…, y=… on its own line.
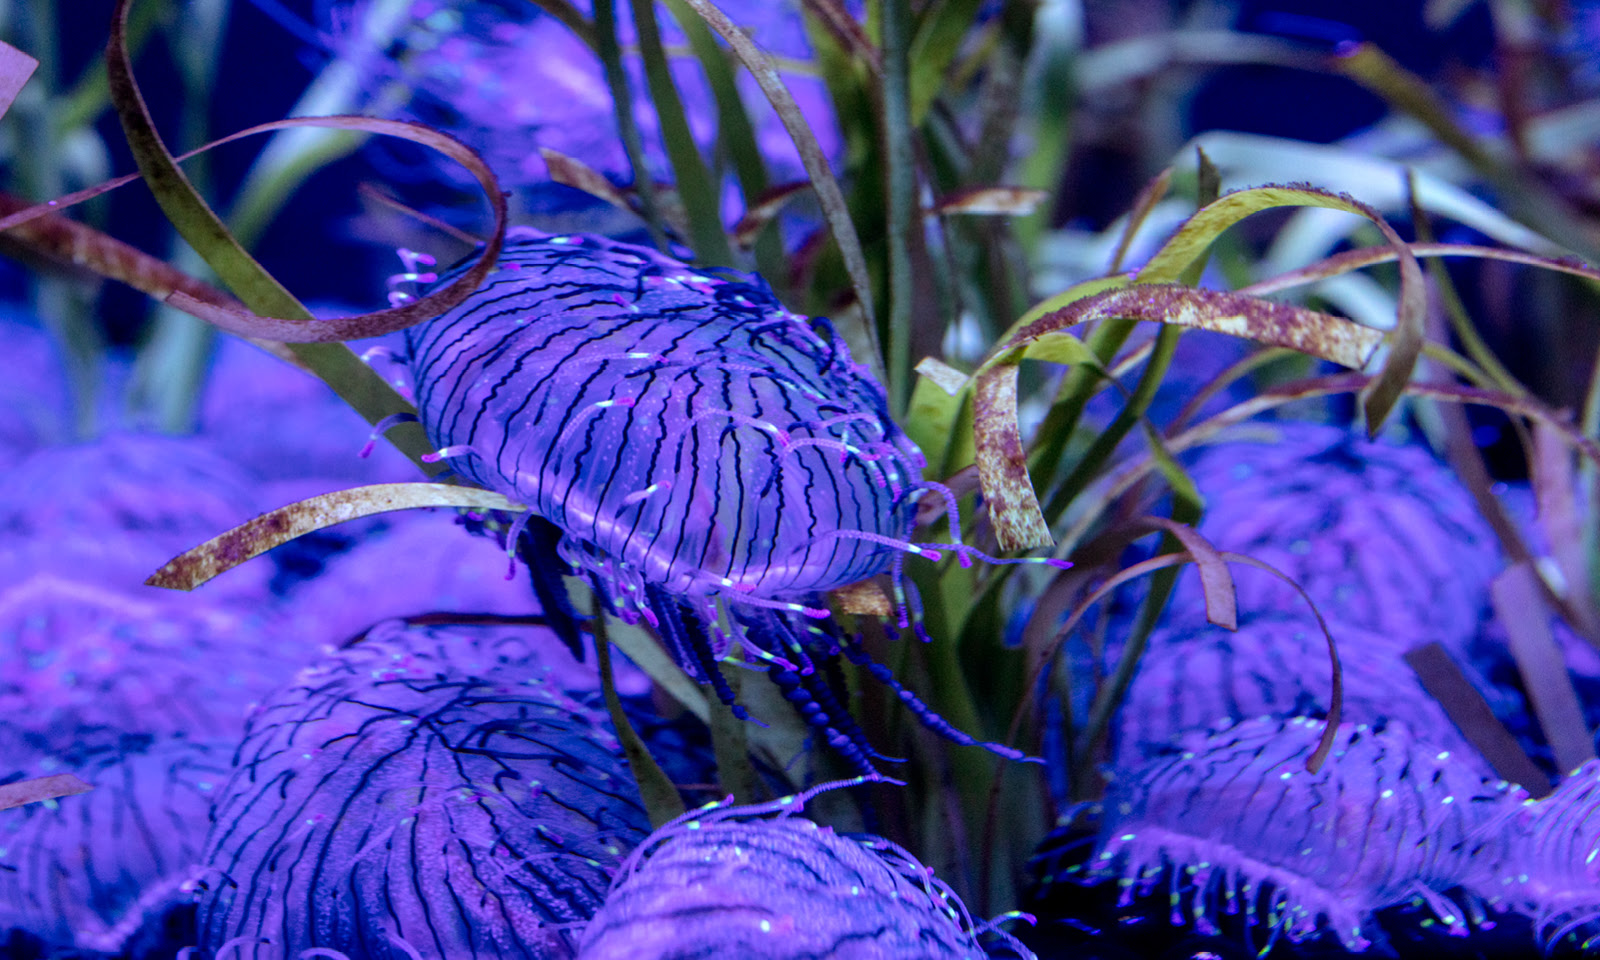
x=1550, y=866
x=91, y=871
x=427, y=791
x=699, y=453
x=1385, y=819
x=758, y=882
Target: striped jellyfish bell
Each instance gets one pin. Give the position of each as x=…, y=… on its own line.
x=760, y=882
x=681, y=427
x=706, y=457
x=1235, y=816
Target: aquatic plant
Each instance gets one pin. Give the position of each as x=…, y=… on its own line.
x=947, y=191
x=1235, y=817
x=424, y=789
x=762, y=881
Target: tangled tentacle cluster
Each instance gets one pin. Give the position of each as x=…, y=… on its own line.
x=1550, y=868
x=757, y=881
x=424, y=790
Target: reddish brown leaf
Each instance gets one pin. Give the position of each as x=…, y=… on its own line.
x=767, y=206
x=574, y=173
x=1222, y=602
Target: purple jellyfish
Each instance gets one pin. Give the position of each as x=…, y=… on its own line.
x=702, y=455
x=1381, y=536
x=89, y=871
x=757, y=882
x=1549, y=867
x=1192, y=678
x=1384, y=820
x=423, y=792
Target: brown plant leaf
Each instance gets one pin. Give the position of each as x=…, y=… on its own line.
x=1002, y=458
x=1350, y=260
x=225, y=551
x=1222, y=601
x=1472, y=715
x=285, y=318
x=766, y=208
x=1003, y=463
x=41, y=789
x=572, y=172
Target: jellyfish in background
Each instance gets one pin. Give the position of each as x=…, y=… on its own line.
x=700, y=454
x=1381, y=536
x=1549, y=866
x=1385, y=819
x=90, y=871
x=759, y=882
x=510, y=81
x=426, y=791
x=1275, y=664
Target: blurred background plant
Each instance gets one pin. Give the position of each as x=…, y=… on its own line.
x=990, y=156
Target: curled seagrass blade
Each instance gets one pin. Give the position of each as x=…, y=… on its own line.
x=227, y=550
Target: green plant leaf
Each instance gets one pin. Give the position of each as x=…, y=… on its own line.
x=661, y=799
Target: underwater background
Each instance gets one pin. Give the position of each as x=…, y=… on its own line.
x=913, y=478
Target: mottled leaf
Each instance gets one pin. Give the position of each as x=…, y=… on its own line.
x=942, y=375
x=221, y=553
x=1342, y=263
x=1001, y=457
x=1003, y=462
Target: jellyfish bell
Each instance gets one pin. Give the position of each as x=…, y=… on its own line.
x=764, y=882
x=709, y=461
x=424, y=791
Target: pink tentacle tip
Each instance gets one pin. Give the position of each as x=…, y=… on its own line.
x=443, y=453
